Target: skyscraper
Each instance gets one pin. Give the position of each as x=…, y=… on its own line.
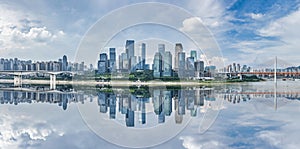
x=178, y=48
x=102, y=63
x=129, y=48
x=143, y=48
x=123, y=61
x=194, y=54
x=157, y=65
x=64, y=63
x=112, y=59
x=199, y=69
x=130, y=53
x=190, y=67
x=167, y=64
x=181, y=64
x=161, y=50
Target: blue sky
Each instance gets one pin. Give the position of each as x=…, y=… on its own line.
x=246, y=31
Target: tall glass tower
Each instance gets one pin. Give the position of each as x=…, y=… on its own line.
x=181, y=64
x=64, y=63
x=143, y=48
x=167, y=64
x=157, y=65
x=112, y=59
x=178, y=48
x=130, y=53
x=194, y=55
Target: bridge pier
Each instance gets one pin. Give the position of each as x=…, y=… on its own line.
x=52, y=81
x=241, y=76
x=17, y=80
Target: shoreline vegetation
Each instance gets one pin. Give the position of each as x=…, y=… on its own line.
x=128, y=82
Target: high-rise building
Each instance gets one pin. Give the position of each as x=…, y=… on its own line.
x=157, y=65
x=64, y=63
x=190, y=67
x=161, y=50
x=112, y=59
x=129, y=48
x=199, y=69
x=178, y=48
x=194, y=55
x=234, y=67
x=167, y=64
x=238, y=68
x=130, y=52
x=124, y=63
x=133, y=63
x=102, y=64
x=81, y=66
x=143, y=48
x=181, y=64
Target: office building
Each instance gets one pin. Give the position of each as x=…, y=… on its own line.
x=181, y=64
x=194, y=55
x=102, y=64
x=167, y=64
x=178, y=48
x=130, y=53
x=64, y=63
x=190, y=67
x=143, y=51
x=157, y=65
x=199, y=69
x=112, y=59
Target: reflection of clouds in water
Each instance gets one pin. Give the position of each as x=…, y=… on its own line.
x=238, y=126
x=241, y=126
x=23, y=131
x=44, y=126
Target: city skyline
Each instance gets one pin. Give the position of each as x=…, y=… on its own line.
x=149, y=74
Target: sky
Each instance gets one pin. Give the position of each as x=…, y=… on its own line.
x=246, y=32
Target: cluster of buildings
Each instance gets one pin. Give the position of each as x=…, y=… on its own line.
x=236, y=67
x=128, y=61
x=22, y=65
x=184, y=66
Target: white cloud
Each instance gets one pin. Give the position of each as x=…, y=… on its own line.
x=22, y=33
x=38, y=34
x=192, y=143
x=286, y=29
x=210, y=11
x=256, y=16
x=191, y=24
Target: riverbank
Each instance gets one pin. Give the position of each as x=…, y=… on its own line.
x=114, y=83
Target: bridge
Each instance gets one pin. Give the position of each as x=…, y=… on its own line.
x=274, y=72
x=18, y=79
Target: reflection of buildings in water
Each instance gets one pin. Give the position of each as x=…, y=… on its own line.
x=163, y=102
x=261, y=96
x=54, y=97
